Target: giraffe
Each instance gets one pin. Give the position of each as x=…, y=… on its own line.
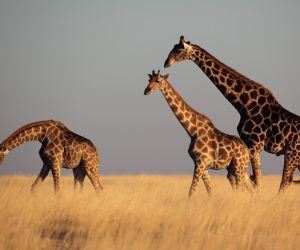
x=264, y=123
x=60, y=148
x=209, y=147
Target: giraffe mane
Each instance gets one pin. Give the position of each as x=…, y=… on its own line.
x=33, y=124
x=237, y=74
x=233, y=71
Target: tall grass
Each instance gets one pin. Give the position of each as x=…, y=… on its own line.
x=147, y=212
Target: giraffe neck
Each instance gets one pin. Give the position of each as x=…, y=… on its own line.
x=31, y=132
x=185, y=114
x=232, y=84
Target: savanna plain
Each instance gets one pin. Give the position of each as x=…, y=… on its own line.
x=147, y=212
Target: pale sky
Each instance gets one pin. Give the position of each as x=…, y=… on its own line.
x=86, y=63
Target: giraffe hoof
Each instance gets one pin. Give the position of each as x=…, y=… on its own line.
x=296, y=182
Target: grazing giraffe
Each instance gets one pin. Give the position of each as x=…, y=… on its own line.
x=209, y=148
x=60, y=148
x=264, y=123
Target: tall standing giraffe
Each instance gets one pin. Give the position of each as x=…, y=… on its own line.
x=60, y=148
x=209, y=148
x=264, y=124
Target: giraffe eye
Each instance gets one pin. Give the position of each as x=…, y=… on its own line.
x=178, y=50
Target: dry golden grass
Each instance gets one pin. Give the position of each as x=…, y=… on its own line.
x=147, y=212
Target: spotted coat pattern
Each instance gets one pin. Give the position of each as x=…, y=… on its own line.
x=60, y=148
x=209, y=147
x=264, y=123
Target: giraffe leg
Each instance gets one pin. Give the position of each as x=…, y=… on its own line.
x=232, y=181
x=207, y=182
x=79, y=175
x=41, y=177
x=92, y=173
x=288, y=171
x=56, y=175
x=256, y=168
x=231, y=176
x=198, y=172
x=237, y=171
x=247, y=182
x=237, y=167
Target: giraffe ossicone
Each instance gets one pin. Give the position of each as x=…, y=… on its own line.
x=209, y=147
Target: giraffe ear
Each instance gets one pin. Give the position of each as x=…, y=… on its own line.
x=186, y=45
x=166, y=76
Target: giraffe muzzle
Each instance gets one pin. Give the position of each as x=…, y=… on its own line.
x=168, y=62
x=147, y=91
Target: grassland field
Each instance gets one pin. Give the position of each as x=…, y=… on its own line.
x=147, y=212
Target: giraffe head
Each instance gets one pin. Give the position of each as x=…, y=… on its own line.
x=180, y=52
x=156, y=81
x=3, y=153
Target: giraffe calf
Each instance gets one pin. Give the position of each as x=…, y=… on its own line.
x=213, y=149
x=209, y=148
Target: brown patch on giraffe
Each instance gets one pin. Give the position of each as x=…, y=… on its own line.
x=265, y=111
x=210, y=134
x=275, y=117
x=169, y=99
x=248, y=87
x=204, y=150
x=261, y=100
x=193, y=130
x=216, y=72
x=262, y=91
x=186, y=124
x=187, y=115
x=222, y=153
x=222, y=79
x=208, y=72
x=217, y=66
x=254, y=94
x=209, y=63
x=254, y=111
x=193, y=119
x=229, y=82
x=244, y=98
x=205, y=139
x=232, y=96
x=251, y=105
x=224, y=72
x=238, y=86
